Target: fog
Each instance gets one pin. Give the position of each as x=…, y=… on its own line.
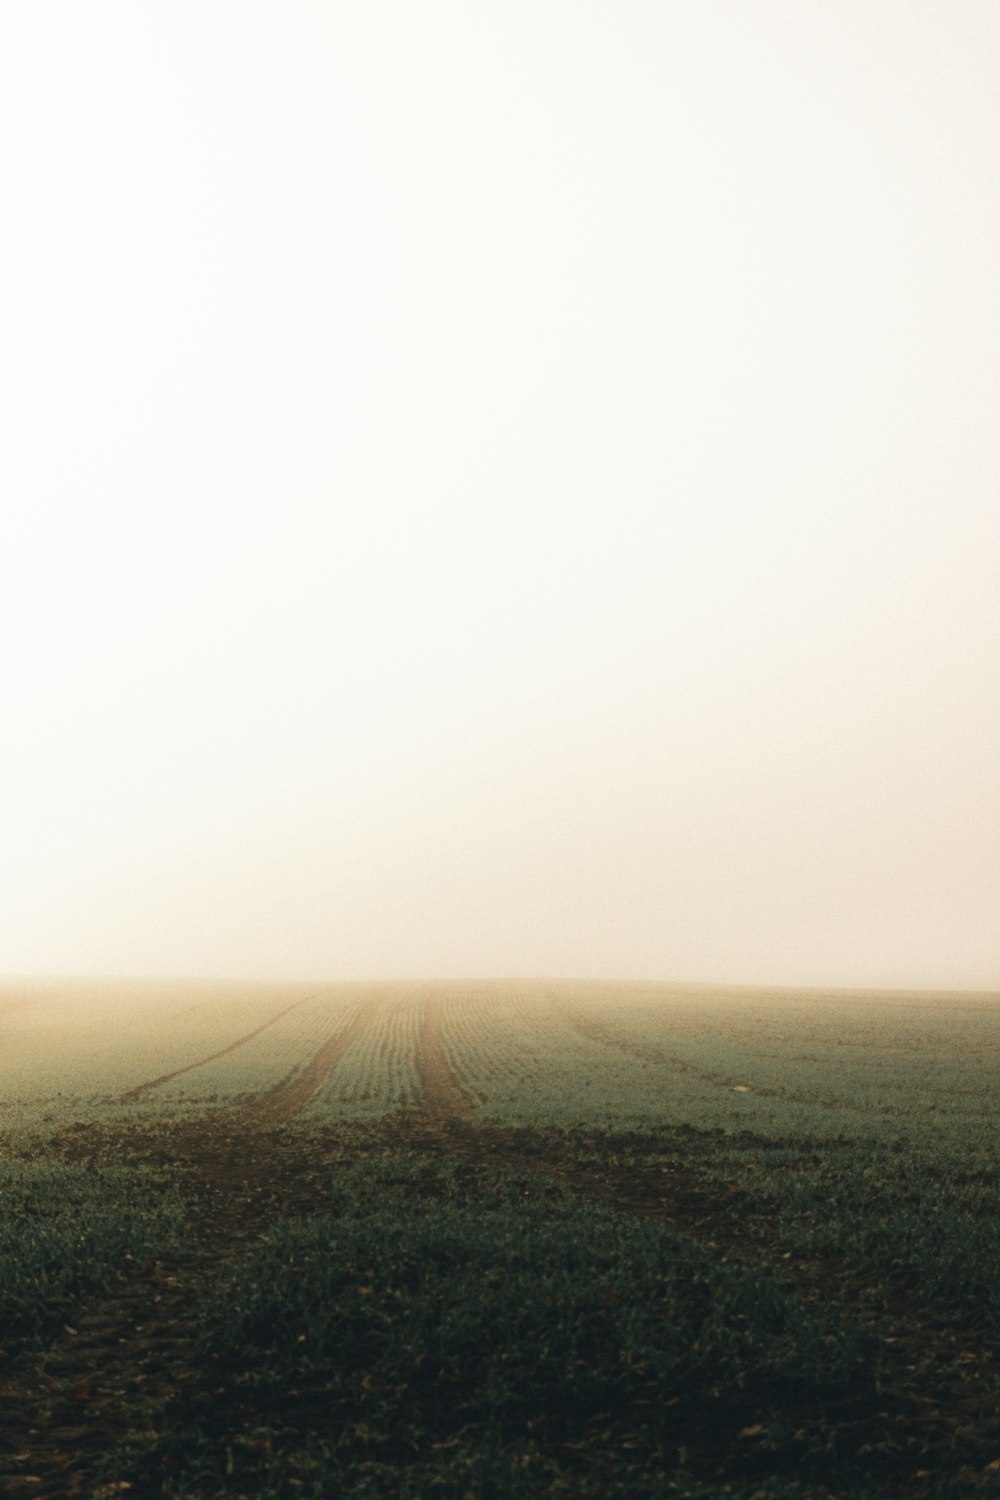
x=501, y=489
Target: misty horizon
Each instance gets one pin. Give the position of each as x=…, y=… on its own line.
x=622, y=986
x=502, y=491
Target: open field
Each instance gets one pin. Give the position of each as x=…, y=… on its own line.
x=498, y=1238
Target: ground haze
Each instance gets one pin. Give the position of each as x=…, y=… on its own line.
x=502, y=488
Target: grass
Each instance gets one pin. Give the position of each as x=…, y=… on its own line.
x=67, y=1232
x=444, y=1325
x=448, y=1328
x=742, y=1282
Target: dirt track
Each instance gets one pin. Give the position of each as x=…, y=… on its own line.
x=292, y=1094
x=443, y=1096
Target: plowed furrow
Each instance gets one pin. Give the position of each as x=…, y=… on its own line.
x=292, y=1094
x=443, y=1095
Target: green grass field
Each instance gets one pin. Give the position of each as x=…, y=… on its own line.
x=483, y=1239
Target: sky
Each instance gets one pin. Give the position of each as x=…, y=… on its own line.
x=501, y=489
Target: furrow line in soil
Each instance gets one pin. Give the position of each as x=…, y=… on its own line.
x=442, y=1094
x=293, y=1093
x=139, y=1089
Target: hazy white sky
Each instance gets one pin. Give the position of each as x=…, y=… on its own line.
x=501, y=488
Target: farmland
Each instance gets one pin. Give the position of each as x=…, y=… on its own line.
x=490, y=1238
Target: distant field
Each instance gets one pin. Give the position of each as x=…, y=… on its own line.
x=480, y=1240
x=832, y=1063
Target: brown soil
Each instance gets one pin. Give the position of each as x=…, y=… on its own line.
x=293, y=1093
x=443, y=1097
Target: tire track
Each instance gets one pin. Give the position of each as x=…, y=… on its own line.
x=443, y=1096
x=600, y=1031
x=293, y=1093
x=605, y=1034
x=136, y=1092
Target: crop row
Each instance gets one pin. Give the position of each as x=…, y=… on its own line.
x=378, y=1073
x=269, y=1057
x=519, y=1057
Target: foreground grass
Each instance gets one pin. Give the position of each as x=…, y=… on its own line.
x=67, y=1232
x=466, y=1314
x=443, y=1326
x=448, y=1327
x=904, y=1226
